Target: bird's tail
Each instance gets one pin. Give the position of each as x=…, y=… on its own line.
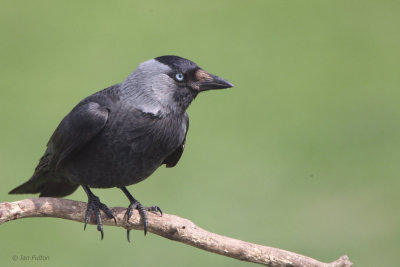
x=39, y=184
x=42, y=182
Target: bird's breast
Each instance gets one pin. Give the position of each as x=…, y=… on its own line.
x=144, y=146
x=141, y=131
x=128, y=150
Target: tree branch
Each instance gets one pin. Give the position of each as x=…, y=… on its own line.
x=168, y=226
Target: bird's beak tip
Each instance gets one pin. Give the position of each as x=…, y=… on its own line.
x=215, y=83
x=230, y=84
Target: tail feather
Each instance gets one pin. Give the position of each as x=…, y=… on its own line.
x=32, y=186
x=42, y=182
x=58, y=189
x=45, y=188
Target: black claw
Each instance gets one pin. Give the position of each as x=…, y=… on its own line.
x=107, y=211
x=94, y=206
x=160, y=211
x=100, y=228
x=142, y=212
x=154, y=209
x=143, y=215
x=87, y=214
x=99, y=223
x=86, y=222
x=129, y=210
x=134, y=204
x=127, y=234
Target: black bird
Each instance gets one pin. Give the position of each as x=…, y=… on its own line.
x=120, y=135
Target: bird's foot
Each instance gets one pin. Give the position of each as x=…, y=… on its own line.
x=142, y=212
x=94, y=206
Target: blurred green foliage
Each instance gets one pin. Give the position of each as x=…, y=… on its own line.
x=303, y=154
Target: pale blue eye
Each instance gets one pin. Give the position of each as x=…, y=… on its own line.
x=179, y=76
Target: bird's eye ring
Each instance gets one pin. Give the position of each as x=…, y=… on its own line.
x=179, y=76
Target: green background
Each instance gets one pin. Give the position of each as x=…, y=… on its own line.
x=302, y=154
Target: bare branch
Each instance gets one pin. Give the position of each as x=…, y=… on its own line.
x=168, y=226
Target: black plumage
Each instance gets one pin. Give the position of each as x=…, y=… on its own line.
x=119, y=136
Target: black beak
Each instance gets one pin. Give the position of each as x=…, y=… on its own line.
x=214, y=83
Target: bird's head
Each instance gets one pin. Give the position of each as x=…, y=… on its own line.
x=169, y=84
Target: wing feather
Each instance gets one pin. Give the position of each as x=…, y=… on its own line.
x=174, y=157
x=81, y=125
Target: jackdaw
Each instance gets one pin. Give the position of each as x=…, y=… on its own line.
x=120, y=135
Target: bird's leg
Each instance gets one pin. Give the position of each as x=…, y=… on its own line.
x=134, y=204
x=94, y=206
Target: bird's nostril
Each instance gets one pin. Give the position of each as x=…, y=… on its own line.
x=202, y=75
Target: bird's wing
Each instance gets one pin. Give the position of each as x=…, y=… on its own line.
x=83, y=123
x=174, y=157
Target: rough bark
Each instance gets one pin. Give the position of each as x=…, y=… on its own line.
x=168, y=226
